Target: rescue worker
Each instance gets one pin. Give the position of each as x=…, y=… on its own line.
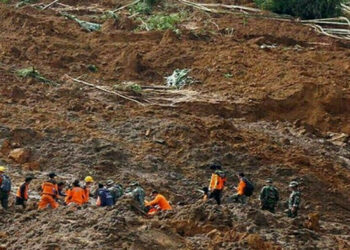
x=269, y=197
x=217, y=183
x=88, y=183
x=104, y=197
x=240, y=196
x=5, y=188
x=159, y=203
x=76, y=194
x=22, y=193
x=49, y=193
x=138, y=194
x=60, y=186
x=294, y=200
x=116, y=190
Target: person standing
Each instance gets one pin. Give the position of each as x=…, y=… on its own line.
x=5, y=188
x=269, y=197
x=22, y=192
x=294, y=200
x=88, y=183
x=217, y=183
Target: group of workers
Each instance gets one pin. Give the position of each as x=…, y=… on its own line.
x=269, y=195
x=52, y=193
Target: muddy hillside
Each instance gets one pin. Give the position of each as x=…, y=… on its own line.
x=263, y=96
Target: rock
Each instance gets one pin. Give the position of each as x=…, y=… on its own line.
x=31, y=166
x=312, y=222
x=5, y=147
x=20, y=155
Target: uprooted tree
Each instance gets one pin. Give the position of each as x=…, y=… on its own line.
x=307, y=9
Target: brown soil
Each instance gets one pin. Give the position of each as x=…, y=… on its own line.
x=278, y=116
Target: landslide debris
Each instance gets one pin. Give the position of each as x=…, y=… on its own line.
x=279, y=112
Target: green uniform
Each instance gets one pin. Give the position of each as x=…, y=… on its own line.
x=116, y=192
x=139, y=196
x=293, y=202
x=269, y=197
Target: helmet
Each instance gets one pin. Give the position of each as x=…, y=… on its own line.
x=269, y=181
x=110, y=183
x=88, y=179
x=52, y=175
x=2, y=169
x=293, y=184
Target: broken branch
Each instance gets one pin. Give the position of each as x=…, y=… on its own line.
x=104, y=90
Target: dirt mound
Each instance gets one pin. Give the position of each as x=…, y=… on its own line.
x=269, y=98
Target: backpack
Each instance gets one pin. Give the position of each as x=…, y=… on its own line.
x=5, y=184
x=249, y=187
x=106, y=198
x=221, y=178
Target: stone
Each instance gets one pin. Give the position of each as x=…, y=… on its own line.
x=34, y=165
x=20, y=155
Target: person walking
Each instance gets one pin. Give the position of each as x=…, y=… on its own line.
x=22, y=192
x=269, y=196
x=5, y=188
x=294, y=200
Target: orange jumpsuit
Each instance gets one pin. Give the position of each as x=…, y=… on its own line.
x=161, y=202
x=49, y=194
x=76, y=195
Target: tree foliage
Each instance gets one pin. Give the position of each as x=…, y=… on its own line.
x=306, y=9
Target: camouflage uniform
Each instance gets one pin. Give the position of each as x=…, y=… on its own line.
x=139, y=196
x=269, y=197
x=116, y=192
x=294, y=201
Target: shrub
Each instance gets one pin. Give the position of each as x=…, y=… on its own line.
x=307, y=9
x=143, y=7
x=161, y=22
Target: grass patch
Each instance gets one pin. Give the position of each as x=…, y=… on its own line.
x=33, y=73
x=161, y=22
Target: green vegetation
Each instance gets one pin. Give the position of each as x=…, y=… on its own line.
x=24, y=2
x=143, y=7
x=129, y=86
x=179, y=78
x=92, y=68
x=161, y=22
x=307, y=9
x=5, y=1
x=228, y=75
x=33, y=73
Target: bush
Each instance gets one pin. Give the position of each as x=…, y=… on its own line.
x=161, y=22
x=143, y=7
x=307, y=9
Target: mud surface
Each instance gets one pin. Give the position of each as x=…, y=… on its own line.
x=281, y=112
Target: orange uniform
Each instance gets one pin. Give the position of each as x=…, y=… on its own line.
x=22, y=191
x=76, y=195
x=49, y=194
x=216, y=182
x=161, y=202
x=241, y=187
